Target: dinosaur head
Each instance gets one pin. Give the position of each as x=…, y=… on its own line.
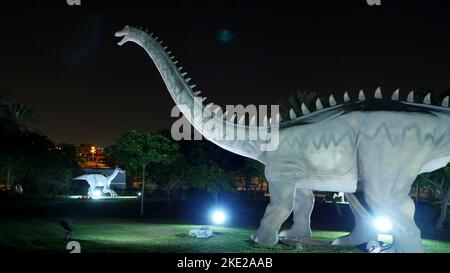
x=129, y=34
x=119, y=170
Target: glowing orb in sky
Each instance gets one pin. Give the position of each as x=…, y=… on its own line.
x=225, y=36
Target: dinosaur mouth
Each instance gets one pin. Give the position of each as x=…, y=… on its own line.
x=122, y=34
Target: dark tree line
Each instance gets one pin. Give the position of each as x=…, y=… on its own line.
x=196, y=164
x=28, y=157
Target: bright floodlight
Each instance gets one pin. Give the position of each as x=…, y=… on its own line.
x=97, y=194
x=383, y=224
x=218, y=217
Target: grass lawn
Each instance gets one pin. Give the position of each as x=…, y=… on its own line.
x=118, y=235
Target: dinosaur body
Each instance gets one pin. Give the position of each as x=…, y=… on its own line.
x=99, y=180
x=373, y=148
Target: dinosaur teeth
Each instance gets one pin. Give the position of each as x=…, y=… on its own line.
x=305, y=109
x=188, y=79
x=184, y=74
x=292, y=114
x=445, y=102
x=253, y=121
x=332, y=101
x=203, y=99
x=395, y=95
x=156, y=38
x=192, y=86
x=378, y=94
x=209, y=105
x=346, y=97
x=175, y=62
x=165, y=48
x=180, y=68
x=196, y=93
x=361, y=95
x=172, y=57
x=427, y=99
x=169, y=52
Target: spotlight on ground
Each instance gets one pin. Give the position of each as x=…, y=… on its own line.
x=383, y=225
x=97, y=194
x=218, y=217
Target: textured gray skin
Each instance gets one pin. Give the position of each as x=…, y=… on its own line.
x=374, y=148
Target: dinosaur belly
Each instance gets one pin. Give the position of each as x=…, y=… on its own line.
x=329, y=169
x=324, y=159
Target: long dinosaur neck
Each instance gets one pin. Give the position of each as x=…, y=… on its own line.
x=202, y=117
x=113, y=175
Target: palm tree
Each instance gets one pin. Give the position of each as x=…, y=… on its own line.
x=15, y=120
x=22, y=117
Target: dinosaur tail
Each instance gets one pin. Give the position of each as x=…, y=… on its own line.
x=219, y=128
x=81, y=177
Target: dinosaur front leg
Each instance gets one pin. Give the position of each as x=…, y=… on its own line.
x=304, y=204
x=363, y=230
x=280, y=207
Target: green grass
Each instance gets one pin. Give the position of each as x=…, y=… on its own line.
x=117, y=235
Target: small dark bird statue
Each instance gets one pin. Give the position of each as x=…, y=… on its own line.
x=67, y=227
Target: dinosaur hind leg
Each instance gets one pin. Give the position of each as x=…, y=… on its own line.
x=363, y=230
x=398, y=208
x=406, y=235
x=304, y=204
x=280, y=207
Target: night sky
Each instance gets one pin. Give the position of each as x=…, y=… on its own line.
x=64, y=60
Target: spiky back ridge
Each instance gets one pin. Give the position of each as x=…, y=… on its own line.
x=375, y=103
x=210, y=108
x=306, y=113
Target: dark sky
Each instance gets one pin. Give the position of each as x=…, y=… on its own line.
x=64, y=60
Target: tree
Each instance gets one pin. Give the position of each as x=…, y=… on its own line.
x=212, y=178
x=250, y=169
x=213, y=168
x=16, y=121
x=136, y=151
x=171, y=176
x=440, y=181
x=42, y=166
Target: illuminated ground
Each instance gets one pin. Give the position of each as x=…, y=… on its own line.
x=118, y=235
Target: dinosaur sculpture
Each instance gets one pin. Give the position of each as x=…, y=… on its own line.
x=372, y=147
x=100, y=180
